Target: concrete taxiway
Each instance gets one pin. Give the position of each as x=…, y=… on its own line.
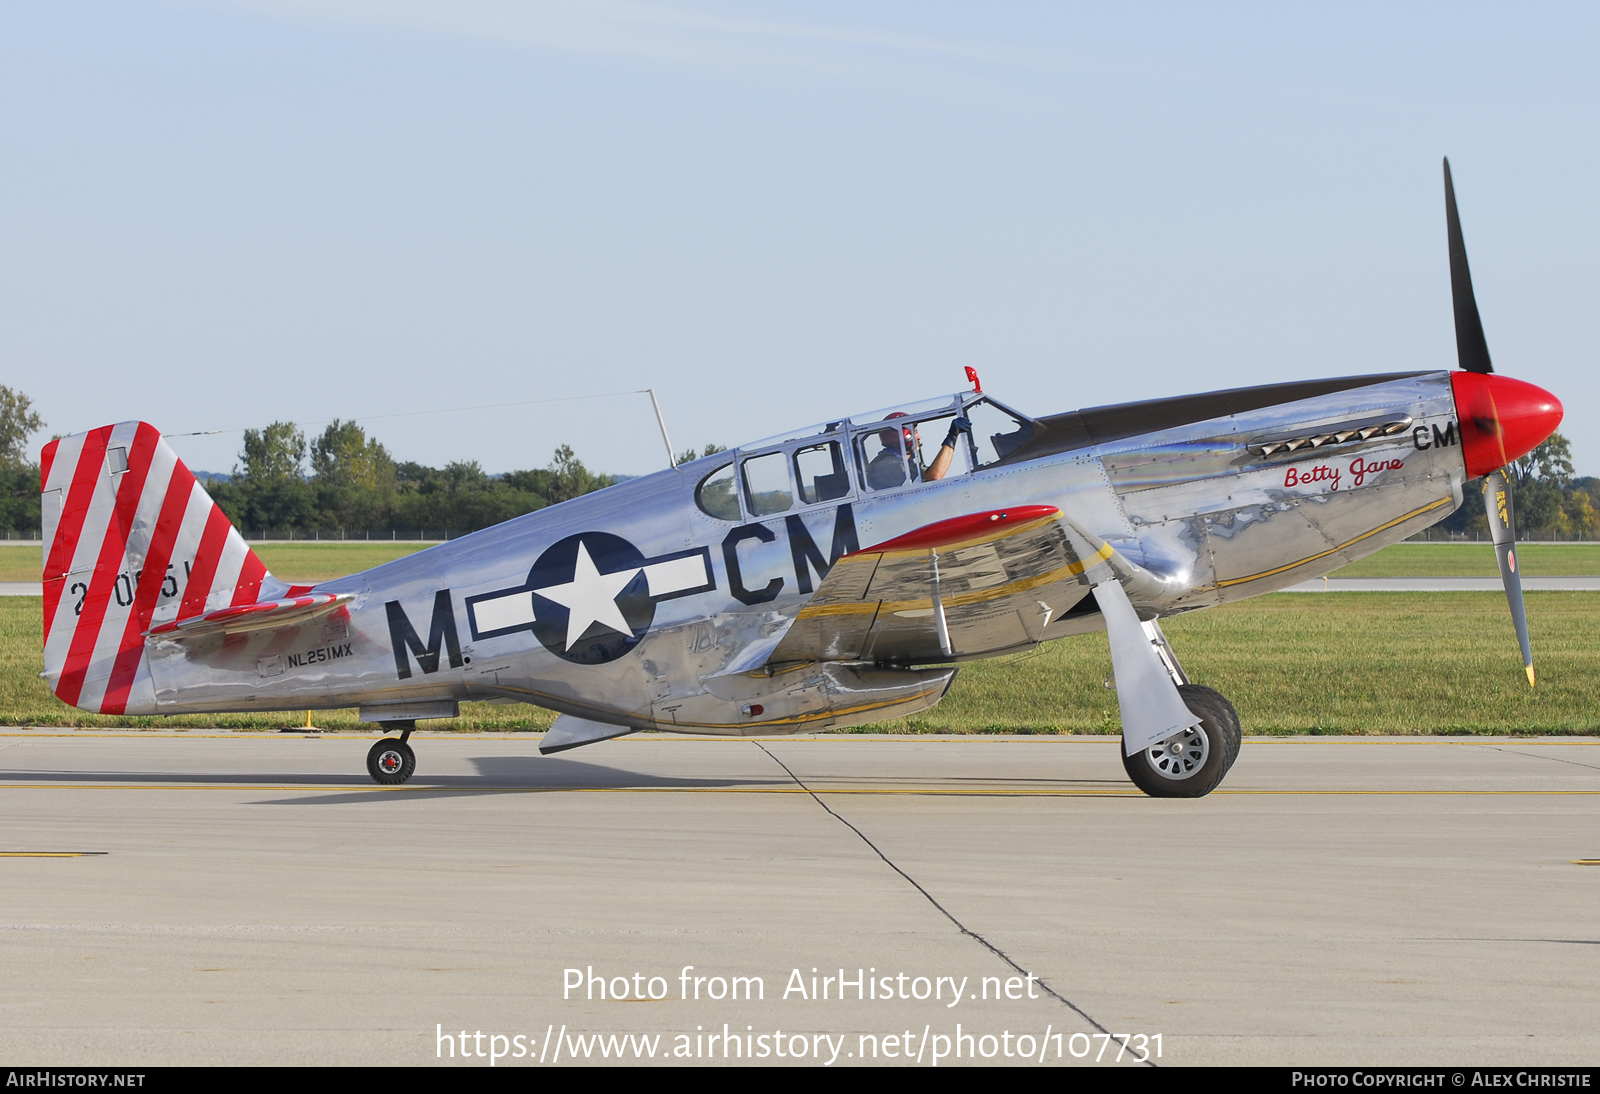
x=255, y=899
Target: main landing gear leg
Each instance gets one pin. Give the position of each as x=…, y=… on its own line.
x=391, y=761
x=1184, y=766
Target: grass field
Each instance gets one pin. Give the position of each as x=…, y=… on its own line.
x=302, y=562
x=1364, y=663
x=1475, y=560
x=294, y=562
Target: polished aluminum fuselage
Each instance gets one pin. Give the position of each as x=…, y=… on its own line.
x=1197, y=508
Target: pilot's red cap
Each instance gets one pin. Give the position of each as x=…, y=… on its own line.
x=887, y=435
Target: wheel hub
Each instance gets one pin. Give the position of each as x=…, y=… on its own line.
x=1181, y=755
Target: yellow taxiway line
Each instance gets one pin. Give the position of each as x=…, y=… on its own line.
x=926, y=792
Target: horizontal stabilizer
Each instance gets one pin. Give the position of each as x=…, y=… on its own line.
x=267, y=615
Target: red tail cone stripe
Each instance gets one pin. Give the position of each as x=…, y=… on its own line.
x=207, y=557
x=180, y=491
x=113, y=548
x=73, y=513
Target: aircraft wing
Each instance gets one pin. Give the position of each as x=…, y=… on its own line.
x=967, y=586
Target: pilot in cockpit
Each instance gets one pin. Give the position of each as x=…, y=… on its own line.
x=887, y=469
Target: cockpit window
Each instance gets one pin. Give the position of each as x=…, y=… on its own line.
x=793, y=435
x=882, y=457
x=918, y=409
x=890, y=448
x=766, y=484
x=910, y=450
x=715, y=494
x=820, y=471
x=927, y=449
x=996, y=432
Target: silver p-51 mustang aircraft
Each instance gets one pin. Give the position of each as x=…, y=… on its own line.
x=826, y=576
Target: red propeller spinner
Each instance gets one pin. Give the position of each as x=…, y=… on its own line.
x=1501, y=418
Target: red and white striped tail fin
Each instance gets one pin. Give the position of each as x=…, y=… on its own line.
x=131, y=541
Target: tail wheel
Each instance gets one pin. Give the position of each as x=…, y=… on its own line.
x=1191, y=763
x=391, y=762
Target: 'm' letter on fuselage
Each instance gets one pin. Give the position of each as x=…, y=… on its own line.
x=403, y=636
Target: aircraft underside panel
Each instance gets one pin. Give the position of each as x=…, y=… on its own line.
x=803, y=697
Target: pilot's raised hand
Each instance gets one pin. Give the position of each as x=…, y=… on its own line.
x=958, y=427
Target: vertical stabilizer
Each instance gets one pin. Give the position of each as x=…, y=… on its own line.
x=131, y=540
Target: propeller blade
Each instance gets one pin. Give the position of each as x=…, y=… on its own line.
x=1471, y=347
x=1497, y=504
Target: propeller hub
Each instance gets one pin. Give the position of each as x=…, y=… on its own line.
x=1501, y=418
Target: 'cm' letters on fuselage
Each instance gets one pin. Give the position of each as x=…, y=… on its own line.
x=803, y=552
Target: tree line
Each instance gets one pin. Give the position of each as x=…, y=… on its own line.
x=1548, y=499
x=345, y=484
x=19, y=477
x=340, y=484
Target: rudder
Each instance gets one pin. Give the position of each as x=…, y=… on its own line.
x=130, y=540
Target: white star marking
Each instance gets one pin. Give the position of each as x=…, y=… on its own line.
x=590, y=597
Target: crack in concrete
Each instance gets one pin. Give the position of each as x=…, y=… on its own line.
x=962, y=927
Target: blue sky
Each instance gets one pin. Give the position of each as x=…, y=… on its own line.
x=218, y=214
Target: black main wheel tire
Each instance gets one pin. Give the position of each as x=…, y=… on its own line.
x=1193, y=693
x=391, y=762
x=1188, y=764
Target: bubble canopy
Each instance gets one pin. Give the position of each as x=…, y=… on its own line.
x=917, y=409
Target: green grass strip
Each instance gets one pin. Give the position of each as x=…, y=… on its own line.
x=1361, y=663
